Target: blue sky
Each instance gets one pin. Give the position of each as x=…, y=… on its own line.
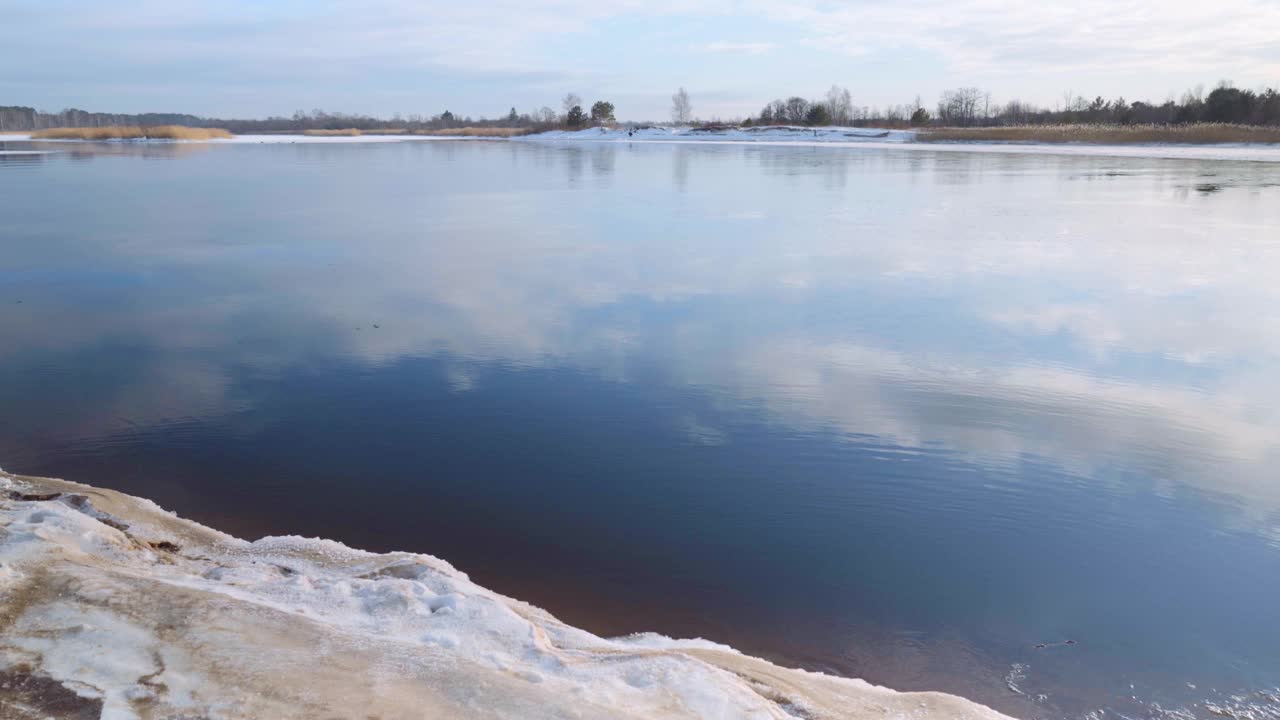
x=250, y=59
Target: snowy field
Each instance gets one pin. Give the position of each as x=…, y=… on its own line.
x=114, y=608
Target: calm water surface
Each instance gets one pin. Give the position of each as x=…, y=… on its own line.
x=902, y=415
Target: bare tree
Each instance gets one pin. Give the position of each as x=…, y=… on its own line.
x=546, y=115
x=779, y=111
x=795, y=110
x=961, y=107
x=840, y=105
x=1016, y=112
x=681, y=110
x=568, y=102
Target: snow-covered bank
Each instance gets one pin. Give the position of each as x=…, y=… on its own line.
x=111, y=607
x=330, y=139
x=772, y=133
x=831, y=137
x=872, y=138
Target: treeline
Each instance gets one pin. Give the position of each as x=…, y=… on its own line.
x=14, y=118
x=962, y=107
x=17, y=118
x=302, y=121
x=837, y=108
x=973, y=107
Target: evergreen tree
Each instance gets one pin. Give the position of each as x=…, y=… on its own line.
x=817, y=115
x=602, y=113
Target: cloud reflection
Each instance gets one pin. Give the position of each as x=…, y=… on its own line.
x=1082, y=311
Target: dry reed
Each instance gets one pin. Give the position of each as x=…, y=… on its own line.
x=1198, y=134
x=131, y=132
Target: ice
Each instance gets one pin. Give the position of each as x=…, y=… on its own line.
x=886, y=139
x=325, y=139
x=779, y=135
x=138, y=613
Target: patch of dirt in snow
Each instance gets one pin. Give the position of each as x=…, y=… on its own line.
x=24, y=696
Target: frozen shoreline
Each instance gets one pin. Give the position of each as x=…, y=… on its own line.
x=831, y=137
x=776, y=133
x=905, y=140
x=112, y=607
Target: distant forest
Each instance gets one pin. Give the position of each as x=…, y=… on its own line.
x=973, y=107
x=15, y=118
x=963, y=107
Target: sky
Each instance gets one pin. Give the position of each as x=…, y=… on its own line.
x=254, y=58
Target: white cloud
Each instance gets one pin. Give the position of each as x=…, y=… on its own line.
x=243, y=58
x=737, y=48
x=982, y=36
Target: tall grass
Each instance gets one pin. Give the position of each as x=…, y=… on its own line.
x=345, y=132
x=1199, y=134
x=131, y=132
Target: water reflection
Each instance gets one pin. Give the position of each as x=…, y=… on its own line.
x=951, y=405
x=985, y=303
x=86, y=151
x=19, y=157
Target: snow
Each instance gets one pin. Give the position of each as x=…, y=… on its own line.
x=885, y=139
x=768, y=134
x=793, y=136
x=323, y=139
x=136, y=613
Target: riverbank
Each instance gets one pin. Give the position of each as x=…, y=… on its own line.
x=898, y=140
x=1198, y=134
x=112, y=607
x=1084, y=135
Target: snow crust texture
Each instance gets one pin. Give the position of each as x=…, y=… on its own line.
x=113, y=608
